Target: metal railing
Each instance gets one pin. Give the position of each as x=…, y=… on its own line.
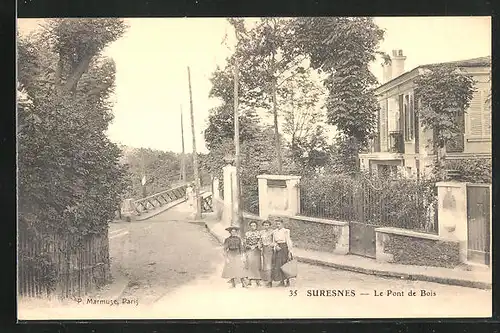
x=375, y=145
x=206, y=202
x=396, y=142
x=160, y=199
x=372, y=203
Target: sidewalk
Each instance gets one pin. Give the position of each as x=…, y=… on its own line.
x=457, y=277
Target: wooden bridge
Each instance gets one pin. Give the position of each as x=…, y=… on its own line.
x=152, y=205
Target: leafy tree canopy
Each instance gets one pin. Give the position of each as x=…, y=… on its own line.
x=343, y=48
x=443, y=93
x=70, y=178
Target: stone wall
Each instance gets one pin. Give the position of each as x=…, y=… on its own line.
x=412, y=248
x=316, y=234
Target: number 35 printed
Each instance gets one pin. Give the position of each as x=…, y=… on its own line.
x=293, y=292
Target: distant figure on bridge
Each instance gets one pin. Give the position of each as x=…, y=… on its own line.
x=190, y=195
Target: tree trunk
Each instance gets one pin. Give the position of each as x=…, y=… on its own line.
x=72, y=81
x=356, y=148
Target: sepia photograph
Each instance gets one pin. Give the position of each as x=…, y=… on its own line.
x=254, y=168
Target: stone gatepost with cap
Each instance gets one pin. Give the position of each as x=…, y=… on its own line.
x=278, y=195
x=452, y=213
x=229, y=176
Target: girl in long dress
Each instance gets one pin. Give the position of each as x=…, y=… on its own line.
x=267, y=252
x=234, y=267
x=282, y=253
x=253, y=246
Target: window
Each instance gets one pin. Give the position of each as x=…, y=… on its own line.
x=409, y=117
x=383, y=125
x=479, y=115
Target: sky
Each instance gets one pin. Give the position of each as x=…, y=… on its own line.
x=153, y=55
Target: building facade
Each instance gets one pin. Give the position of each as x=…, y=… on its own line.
x=401, y=144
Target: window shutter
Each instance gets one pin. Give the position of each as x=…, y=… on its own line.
x=486, y=113
x=383, y=125
x=476, y=114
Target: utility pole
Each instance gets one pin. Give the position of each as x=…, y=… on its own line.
x=143, y=179
x=237, y=202
x=275, y=118
x=183, y=157
x=195, y=157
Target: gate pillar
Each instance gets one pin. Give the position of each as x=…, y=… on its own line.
x=279, y=194
x=229, y=172
x=452, y=214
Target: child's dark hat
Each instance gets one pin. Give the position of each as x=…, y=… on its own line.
x=232, y=228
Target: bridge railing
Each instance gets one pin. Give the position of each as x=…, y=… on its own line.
x=160, y=199
x=206, y=202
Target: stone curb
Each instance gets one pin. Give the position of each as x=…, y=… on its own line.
x=219, y=238
x=382, y=273
x=400, y=275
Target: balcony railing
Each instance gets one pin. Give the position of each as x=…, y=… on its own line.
x=376, y=143
x=396, y=142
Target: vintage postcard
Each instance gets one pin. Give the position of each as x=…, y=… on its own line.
x=254, y=168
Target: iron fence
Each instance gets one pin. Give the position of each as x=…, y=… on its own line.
x=250, y=198
x=381, y=202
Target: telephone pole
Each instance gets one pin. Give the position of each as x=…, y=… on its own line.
x=183, y=156
x=195, y=157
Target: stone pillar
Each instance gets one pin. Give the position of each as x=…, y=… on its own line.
x=263, y=203
x=278, y=194
x=229, y=182
x=127, y=210
x=215, y=188
x=452, y=214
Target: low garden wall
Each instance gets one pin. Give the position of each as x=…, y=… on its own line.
x=317, y=234
x=393, y=245
x=413, y=248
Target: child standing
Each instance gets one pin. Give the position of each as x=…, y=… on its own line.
x=234, y=267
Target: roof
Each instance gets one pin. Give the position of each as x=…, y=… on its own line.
x=474, y=62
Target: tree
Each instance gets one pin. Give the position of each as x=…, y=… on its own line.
x=343, y=48
x=265, y=63
x=443, y=94
x=344, y=155
x=70, y=178
x=302, y=115
x=312, y=152
x=162, y=169
x=219, y=133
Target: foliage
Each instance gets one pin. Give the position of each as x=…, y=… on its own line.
x=311, y=153
x=265, y=63
x=256, y=158
x=70, y=178
x=313, y=235
x=344, y=159
x=472, y=170
x=424, y=252
x=221, y=126
x=343, y=48
x=397, y=202
x=443, y=93
x=162, y=169
x=262, y=59
x=300, y=98
x=303, y=120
